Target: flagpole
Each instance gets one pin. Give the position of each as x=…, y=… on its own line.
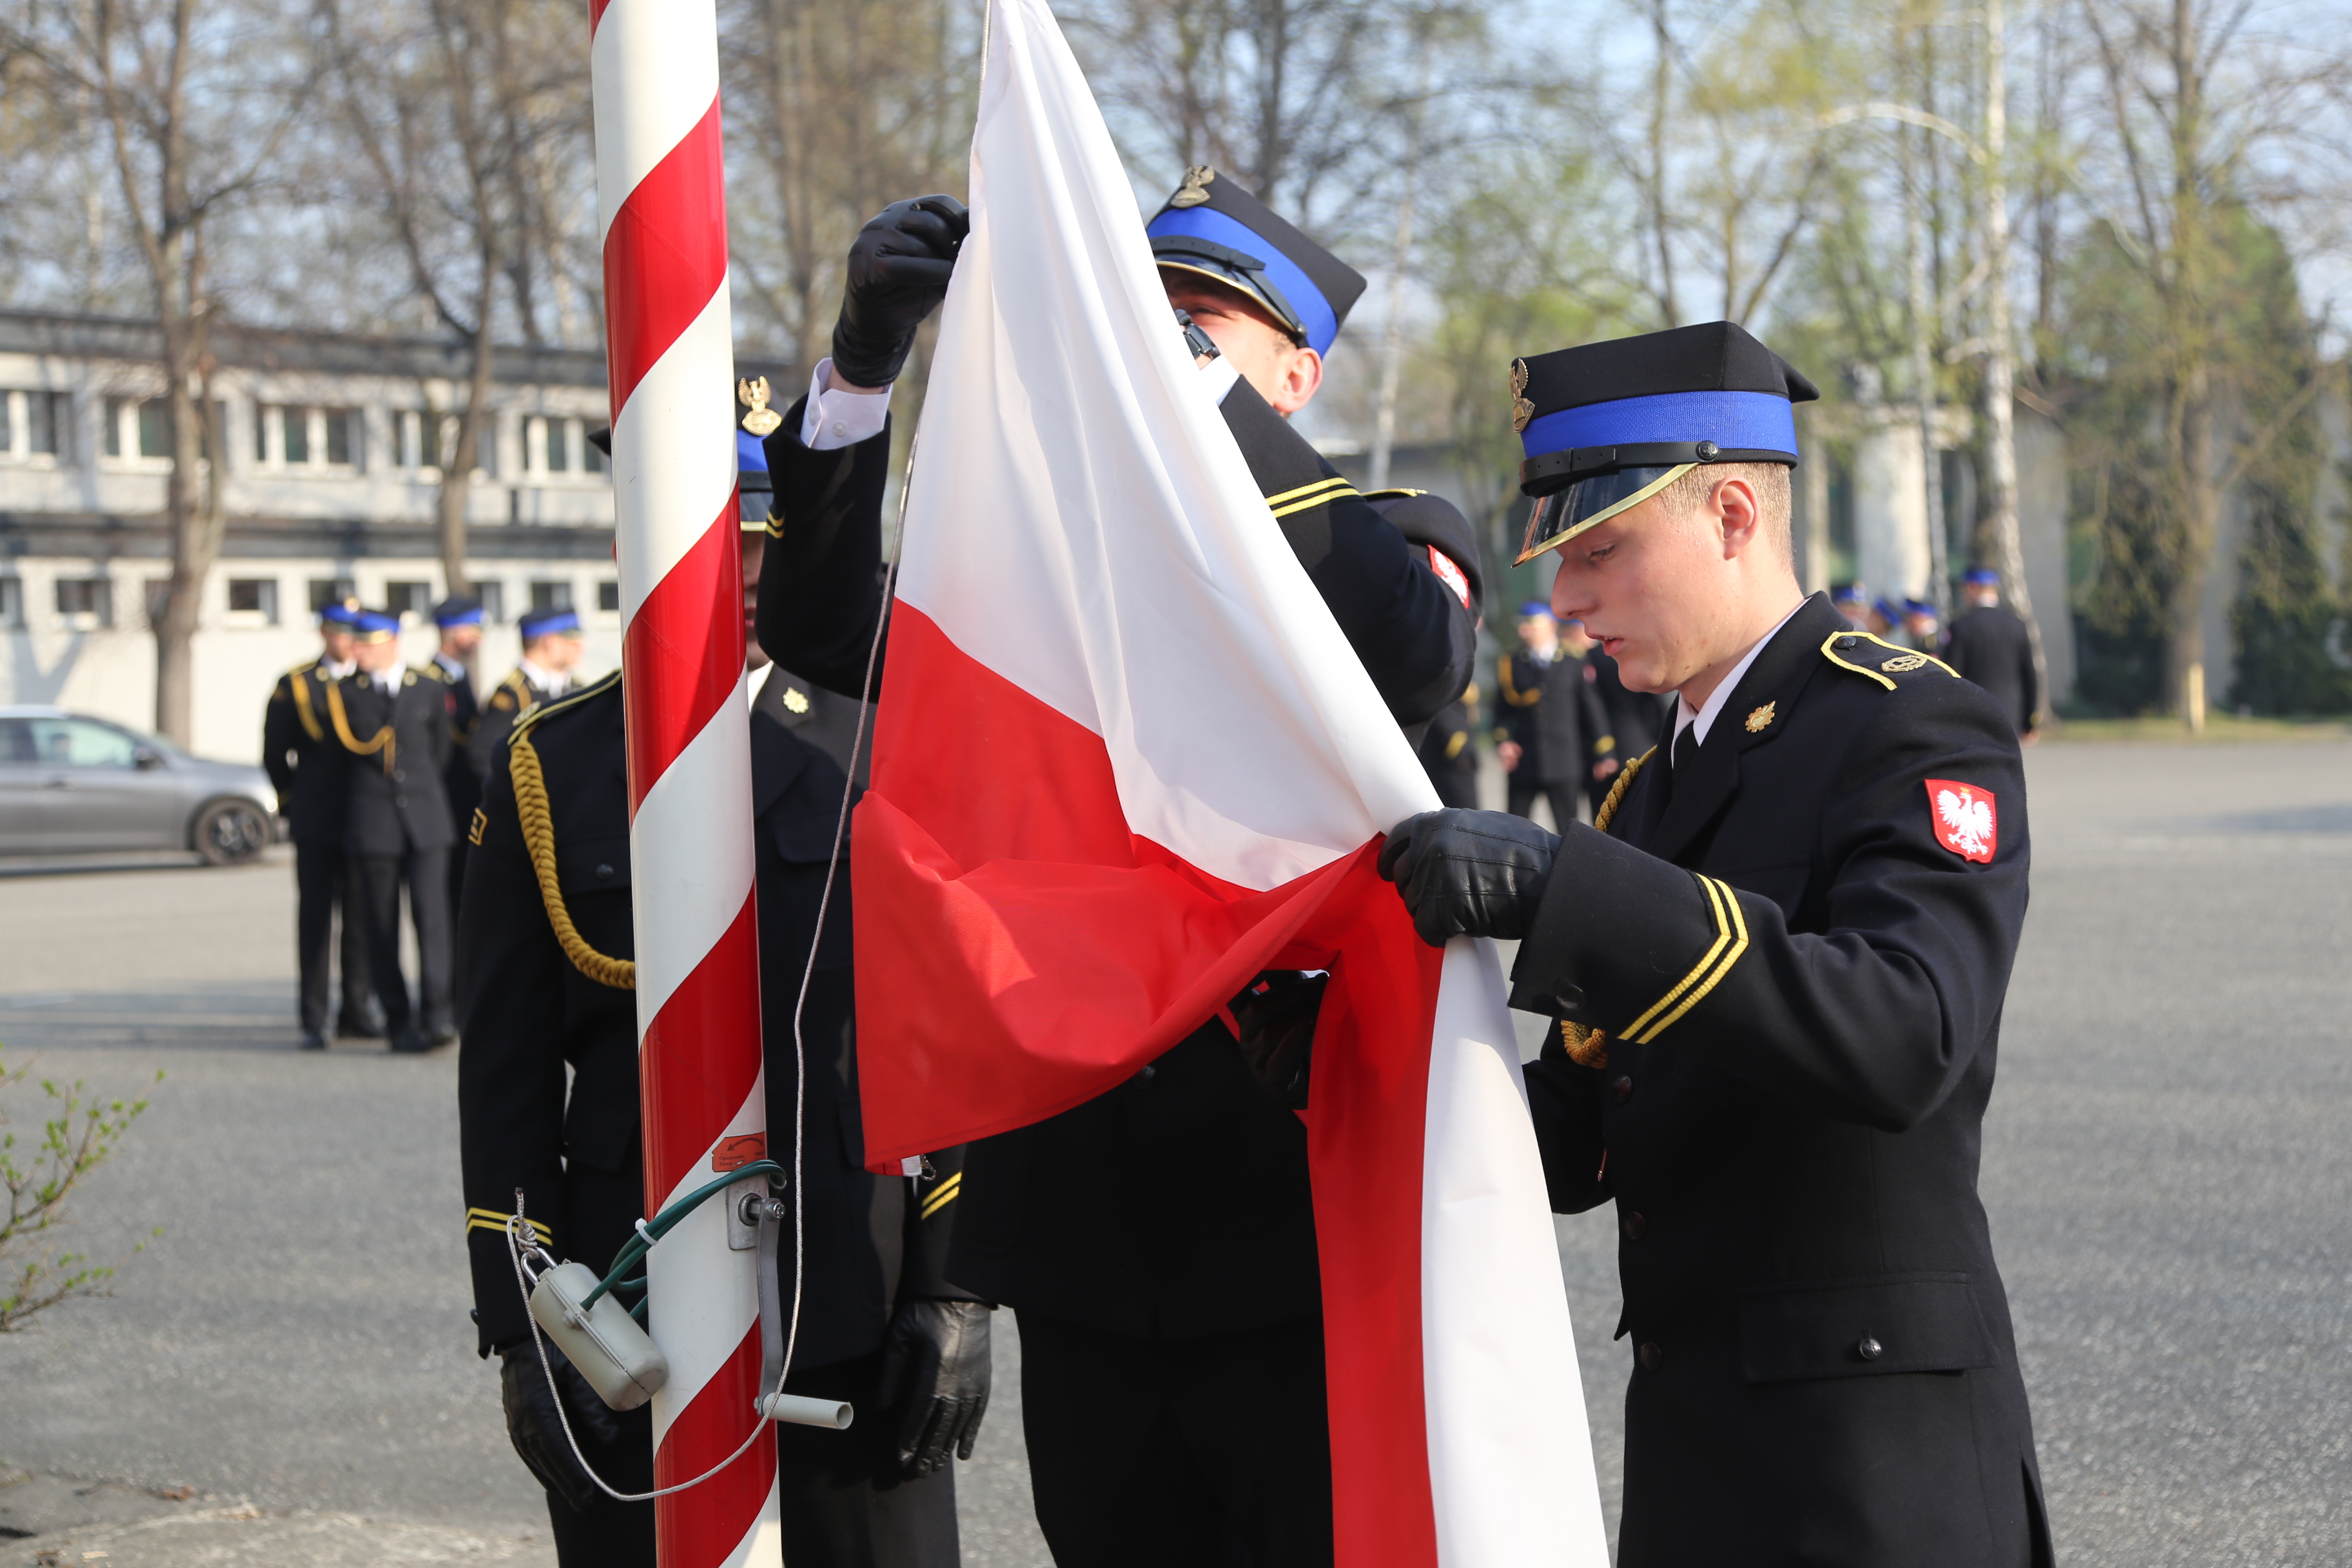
x=669, y=337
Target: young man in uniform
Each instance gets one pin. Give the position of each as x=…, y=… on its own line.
x=1989, y=646
x=1550, y=732
x=1154, y=1304
x=394, y=727
x=458, y=621
x=1778, y=969
x=551, y=645
x=879, y=1326
x=305, y=766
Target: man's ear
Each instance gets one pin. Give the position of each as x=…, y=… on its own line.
x=1301, y=378
x=1739, y=512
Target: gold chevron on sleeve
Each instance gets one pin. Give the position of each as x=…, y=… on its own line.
x=1304, y=497
x=1731, y=941
x=945, y=1194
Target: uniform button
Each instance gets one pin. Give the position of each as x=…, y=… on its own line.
x=839, y=428
x=1649, y=1356
x=603, y=870
x=1569, y=998
x=400, y=800
x=1635, y=1226
x=1869, y=1350
x=1846, y=642
x=399, y=775
x=1624, y=1089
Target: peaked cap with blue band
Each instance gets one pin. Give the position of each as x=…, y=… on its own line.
x=375, y=625
x=753, y=486
x=1606, y=426
x=458, y=610
x=552, y=621
x=1215, y=227
x=342, y=613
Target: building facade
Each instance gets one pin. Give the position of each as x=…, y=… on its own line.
x=332, y=484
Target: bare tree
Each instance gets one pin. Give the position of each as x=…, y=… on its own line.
x=193, y=114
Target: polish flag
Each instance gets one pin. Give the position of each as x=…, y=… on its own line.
x=1126, y=760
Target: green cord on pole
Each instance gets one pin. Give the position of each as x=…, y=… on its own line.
x=637, y=1245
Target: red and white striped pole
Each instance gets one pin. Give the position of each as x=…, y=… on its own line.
x=660, y=186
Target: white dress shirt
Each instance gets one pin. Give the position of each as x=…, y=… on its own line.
x=1702, y=717
x=554, y=683
x=834, y=418
x=338, y=672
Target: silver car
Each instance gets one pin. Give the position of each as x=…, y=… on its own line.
x=72, y=785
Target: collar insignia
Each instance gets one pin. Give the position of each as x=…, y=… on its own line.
x=796, y=700
x=753, y=395
x=1195, y=188
x=1521, y=409
x=1761, y=719
x=1903, y=662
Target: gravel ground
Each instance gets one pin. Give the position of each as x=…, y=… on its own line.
x=285, y=1376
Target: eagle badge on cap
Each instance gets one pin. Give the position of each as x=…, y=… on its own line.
x=753, y=395
x=1761, y=719
x=1521, y=409
x=1195, y=188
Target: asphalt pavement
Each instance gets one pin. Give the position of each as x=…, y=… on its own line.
x=285, y=1374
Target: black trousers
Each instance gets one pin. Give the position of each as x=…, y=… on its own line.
x=842, y=1503
x=1199, y=1453
x=1521, y=800
x=426, y=872
x=319, y=885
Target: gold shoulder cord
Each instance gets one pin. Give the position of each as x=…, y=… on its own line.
x=539, y=837
x=301, y=680
x=382, y=742
x=1590, y=1047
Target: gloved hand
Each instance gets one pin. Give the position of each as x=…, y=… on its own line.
x=1277, y=1015
x=897, y=274
x=935, y=1372
x=1469, y=873
x=538, y=1433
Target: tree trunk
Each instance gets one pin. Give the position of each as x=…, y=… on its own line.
x=457, y=467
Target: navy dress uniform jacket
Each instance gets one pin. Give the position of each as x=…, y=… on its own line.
x=1556, y=716
x=486, y=742
x=1176, y=1204
x=302, y=757
x=1991, y=647
x=404, y=806
x=1799, y=986
x=528, y=1012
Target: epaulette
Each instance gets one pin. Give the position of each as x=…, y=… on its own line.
x=538, y=711
x=304, y=667
x=1876, y=658
x=1392, y=494
x=437, y=673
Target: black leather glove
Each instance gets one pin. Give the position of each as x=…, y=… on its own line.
x=935, y=1370
x=1277, y=1016
x=900, y=264
x=1469, y=873
x=538, y=1433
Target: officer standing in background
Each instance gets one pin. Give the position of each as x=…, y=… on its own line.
x=1853, y=602
x=1159, y=1241
x=1449, y=754
x=1778, y=971
x=551, y=645
x=306, y=767
x=393, y=725
x=1922, y=625
x=1989, y=645
x=1630, y=720
x=879, y=1326
x=1551, y=733
x=459, y=620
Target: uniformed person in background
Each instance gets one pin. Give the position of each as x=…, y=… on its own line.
x=1853, y=602
x=1550, y=732
x=1449, y=750
x=551, y=645
x=1922, y=625
x=458, y=621
x=1158, y=1242
x=879, y=1326
x=306, y=767
x=394, y=727
x=1778, y=971
x=1989, y=645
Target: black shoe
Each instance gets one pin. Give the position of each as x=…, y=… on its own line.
x=411, y=1041
x=313, y=1041
x=350, y=1028
x=443, y=1036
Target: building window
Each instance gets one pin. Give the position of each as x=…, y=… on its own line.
x=408, y=598
x=85, y=601
x=154, y=429
x=343, y=437
x=494, y=600
x=325, y=590
x=593, y=457
x=11, y=601
x=49, y=421
x=559, y=446
x=254, y=596
x=608, y=594
x=550, y=596
x=295, y=426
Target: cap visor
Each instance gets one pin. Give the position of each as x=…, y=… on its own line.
x=1589, y=502
x=1240, y=284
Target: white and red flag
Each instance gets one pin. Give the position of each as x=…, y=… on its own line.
x=1125, y=760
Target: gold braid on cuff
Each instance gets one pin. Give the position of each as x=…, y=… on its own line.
x=539, y=837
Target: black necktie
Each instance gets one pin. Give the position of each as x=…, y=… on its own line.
x=1679, y=755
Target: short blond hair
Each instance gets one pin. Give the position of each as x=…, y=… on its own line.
x=1773, y=496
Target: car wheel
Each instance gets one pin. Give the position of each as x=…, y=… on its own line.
x=231, y=832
